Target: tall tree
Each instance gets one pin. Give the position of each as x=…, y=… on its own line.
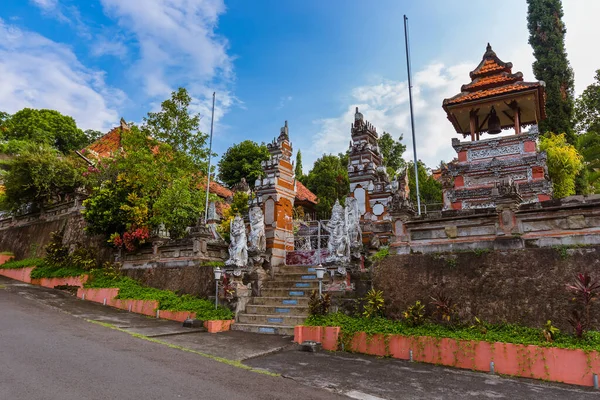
x=392, y=151
x=176, y=126
x=547, y=37
x=430, y=190
x=298, y=167
x=46, y=126
x=243, y=160
x=587, y=108
x=328, y=179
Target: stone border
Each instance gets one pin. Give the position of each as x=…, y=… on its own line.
x=571, y=366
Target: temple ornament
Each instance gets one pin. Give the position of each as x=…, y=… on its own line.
x=238, y=247
x=257, y=239
x=339, y=243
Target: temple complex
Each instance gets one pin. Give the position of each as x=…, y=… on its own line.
x=494, y=100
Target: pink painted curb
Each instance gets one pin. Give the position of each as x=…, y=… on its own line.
x=18, y=274
x=5, y=257
x=571, y=366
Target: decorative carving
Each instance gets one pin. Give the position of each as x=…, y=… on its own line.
x=238, y=247
x=212, y=212
x=353, y=224
x=257, y=239
x=493, y=151
x=338, y=245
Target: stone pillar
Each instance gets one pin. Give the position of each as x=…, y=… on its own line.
x=276, y=193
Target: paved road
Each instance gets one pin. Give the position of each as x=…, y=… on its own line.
x=47, y=354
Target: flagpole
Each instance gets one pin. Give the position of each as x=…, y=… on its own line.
x=212, y=118
x=412, y=118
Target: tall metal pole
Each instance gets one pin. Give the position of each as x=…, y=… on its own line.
x=212, y=118
x=412, y=118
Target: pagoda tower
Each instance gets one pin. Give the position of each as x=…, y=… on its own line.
x=496, y=99
x=276, y=192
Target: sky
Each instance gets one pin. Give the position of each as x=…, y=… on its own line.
x=310, y=62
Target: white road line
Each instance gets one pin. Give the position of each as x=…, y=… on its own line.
x=355, y=394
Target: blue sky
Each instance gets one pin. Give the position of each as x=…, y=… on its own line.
x=309, y=62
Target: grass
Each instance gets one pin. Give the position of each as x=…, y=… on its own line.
x=167, y=300
x=51, y=271
x=6, y=253
x=505, y=333
x=27, y=262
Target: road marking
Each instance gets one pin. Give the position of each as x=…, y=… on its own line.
x=355, y=394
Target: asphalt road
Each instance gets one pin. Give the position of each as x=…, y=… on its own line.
x=48, y=354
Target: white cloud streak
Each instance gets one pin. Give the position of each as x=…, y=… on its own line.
x=39, y=73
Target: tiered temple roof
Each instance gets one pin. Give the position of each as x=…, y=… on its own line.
x=492, y=84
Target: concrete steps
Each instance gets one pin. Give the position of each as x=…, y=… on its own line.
x=283, y=303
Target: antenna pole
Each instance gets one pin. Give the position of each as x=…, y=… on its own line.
x=412, y=118
x=212, y=118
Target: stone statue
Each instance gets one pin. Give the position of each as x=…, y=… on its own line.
x=258, y=241
x=338, y=245
x=238, y=247
x=212, y=212
x=353, y=223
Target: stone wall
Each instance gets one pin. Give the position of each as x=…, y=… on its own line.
x=524, y=286
x=27, y=235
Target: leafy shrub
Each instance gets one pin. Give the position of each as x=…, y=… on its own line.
x=564, y=163
x=381, y=254
x=549, y=332
x=586, y=291
x=445, y=309
x=27, y=262
x=373, y=304
x=479, y=325
x=415, y=314
x=53, y=271
x=319, y=304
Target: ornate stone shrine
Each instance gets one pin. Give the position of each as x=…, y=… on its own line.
x=494, y=100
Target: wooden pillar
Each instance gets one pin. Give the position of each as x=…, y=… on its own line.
x=517, y=121
x=472, y=125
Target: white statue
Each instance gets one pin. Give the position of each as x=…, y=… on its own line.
x=353, y=223
x=338, y=245
x=238, y=247
x=258, y=240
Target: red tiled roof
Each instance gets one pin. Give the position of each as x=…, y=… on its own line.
x=107, y=145
x=492, y=77
x=303, y=194
x=220, y=190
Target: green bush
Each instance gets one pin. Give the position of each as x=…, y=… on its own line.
x=52, y=271
x=505, y=333
x=167, y=300
x=27, y=262
x=381, y=254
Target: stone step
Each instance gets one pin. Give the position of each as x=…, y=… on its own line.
x=275, y=320
x=276, y=310
x=299, y=269
x=283, y=292
x=291, y=284
x=300, y=276
x=280, y=301
x=269, y=329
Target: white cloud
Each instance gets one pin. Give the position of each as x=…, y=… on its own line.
x=283, y=100
x=386, y=106
x=45, y=5
x=39, y=73
x=178, y=44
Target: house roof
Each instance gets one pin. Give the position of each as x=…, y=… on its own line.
x=303, y=194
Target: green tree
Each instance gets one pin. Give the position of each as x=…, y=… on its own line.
x=430, y=190
x=46, y=126
x=547, y=37
x=587, y=108
x=238, y=206
x=391, y=151
x=243, y=160
x=92, y=135
x=178, y=207
x=40, y=175
x=298, y=167
x=564, y=163
x=588, y=145
x=4, y=124
x=177, y=127
x=328, y=179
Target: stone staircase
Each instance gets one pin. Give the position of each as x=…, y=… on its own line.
x=283, y=303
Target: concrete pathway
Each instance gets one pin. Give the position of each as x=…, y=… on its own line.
x=45, y=334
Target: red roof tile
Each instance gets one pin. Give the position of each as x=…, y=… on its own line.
x=303, y=194
x=220, y=190
x=107, y=145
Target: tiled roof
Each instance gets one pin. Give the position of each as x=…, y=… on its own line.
x=303, y=194
x=220, y=190
x=107, y=145
x=492, y=77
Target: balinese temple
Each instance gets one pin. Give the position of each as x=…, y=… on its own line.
x=495, y=100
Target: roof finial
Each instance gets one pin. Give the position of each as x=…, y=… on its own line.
x=489, y=47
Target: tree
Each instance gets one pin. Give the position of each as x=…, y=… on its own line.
x=564, y=163
x=298, y=167
x=547, y=37
x=430, y=190
x=46, y=126
x=239, y=206
x=243, y=160
x=328, y=179
x=4, y=124
x=178, y=207
x=92, y=135
x=587, y=108
x=177, y=127
x=392, y=151
x=40, y=175
x=588, y=145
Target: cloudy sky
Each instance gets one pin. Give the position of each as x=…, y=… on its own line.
x=309, y=62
